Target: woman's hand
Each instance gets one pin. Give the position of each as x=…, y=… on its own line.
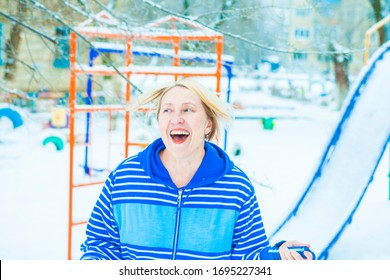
x=286, y=254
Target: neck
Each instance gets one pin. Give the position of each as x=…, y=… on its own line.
x=181, y=170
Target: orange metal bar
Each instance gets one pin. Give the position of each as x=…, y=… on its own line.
x=142, y=71
x=79, y=223
x=176, y=59
x=99, y=108
x=104, y=72
x=100, y=32
x=369, y=32
x=170, y=38
x=219, y=51
x=146, y=109
x=110, y=130
x=102, y=108
x=127, y=97
x=141, y=144
x=72, y=100
x=88, y=184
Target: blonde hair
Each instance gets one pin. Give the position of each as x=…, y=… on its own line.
x=217, y=110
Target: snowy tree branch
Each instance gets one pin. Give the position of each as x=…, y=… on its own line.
x=40, y=33
x=238, y=37
x=60, y=20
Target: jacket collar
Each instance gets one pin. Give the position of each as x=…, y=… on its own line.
x=214, y=157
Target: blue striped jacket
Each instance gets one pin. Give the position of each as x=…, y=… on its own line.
x=140, y=214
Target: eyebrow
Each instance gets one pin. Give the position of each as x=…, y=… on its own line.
x=185, y=103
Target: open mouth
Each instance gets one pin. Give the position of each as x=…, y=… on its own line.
x=179, y=136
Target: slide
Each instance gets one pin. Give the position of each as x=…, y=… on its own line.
x=348, y=163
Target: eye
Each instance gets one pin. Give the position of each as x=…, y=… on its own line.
x=167, y=110
x=187, y=110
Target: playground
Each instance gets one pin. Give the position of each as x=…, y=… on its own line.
x=312, y=166
x=279, y=162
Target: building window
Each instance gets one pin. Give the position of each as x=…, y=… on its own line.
x=300, y=56
x=324, y=57
x=303, y=12
x=61, y=56
x=301, y=33
x=328, y=12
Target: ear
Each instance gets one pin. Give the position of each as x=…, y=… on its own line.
x=208, y=127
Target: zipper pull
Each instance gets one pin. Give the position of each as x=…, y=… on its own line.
x=179, y=196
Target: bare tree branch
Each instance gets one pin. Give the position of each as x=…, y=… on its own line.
x=60, y=20
x=235, y=36
x=40, y=33
x=12, y=44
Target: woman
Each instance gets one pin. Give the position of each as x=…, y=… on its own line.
x=181, y=197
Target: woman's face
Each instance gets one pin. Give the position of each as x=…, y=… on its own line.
x=183, y=122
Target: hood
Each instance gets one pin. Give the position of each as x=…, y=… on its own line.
x=214, y=157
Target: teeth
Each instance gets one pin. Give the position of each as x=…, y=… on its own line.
x=179, y=132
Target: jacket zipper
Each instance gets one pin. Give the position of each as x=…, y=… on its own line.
x=177, y=225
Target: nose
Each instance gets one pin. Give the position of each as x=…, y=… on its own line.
x=177, y=118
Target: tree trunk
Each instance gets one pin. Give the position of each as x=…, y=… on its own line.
x=12, y=44
x=341, y=61
x=226, y=5
x=186, y=5
x=376, y=5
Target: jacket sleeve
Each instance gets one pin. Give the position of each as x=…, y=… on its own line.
x=103, y=242
x=249, y=235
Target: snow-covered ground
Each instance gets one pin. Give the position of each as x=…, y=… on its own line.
x=34, y=178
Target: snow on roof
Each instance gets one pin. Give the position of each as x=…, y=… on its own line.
x=123, y=32
x=108, y=25
x=173, y=20
x=101, y=17
x=186, y=55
